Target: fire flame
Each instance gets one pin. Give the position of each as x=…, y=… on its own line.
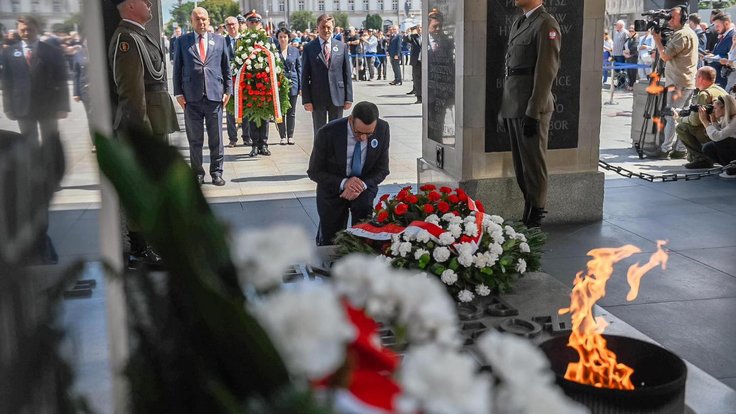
x=598, y=365
x=654, y=87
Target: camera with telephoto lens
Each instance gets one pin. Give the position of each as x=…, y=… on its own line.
x=694, y=108
x=655, y=20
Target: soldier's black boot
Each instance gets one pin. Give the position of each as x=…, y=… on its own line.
x=253, y=151
x=525, y=215
x=534, y=219
x=264, y=150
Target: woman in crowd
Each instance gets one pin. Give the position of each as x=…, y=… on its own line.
x=720, y=126
x=607, y=56
x=293, y=71
x=381, y=52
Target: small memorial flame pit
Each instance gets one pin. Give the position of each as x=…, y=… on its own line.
x=609, y=373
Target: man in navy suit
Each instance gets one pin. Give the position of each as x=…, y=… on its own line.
x=202, y=85
x=172, y=42
x=327, y=84
x=348, y=161
x=394, y=54
x=724, y=27
x=34, y=80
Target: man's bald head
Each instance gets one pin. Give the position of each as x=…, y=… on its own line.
x=200, y=20
x=138, y=11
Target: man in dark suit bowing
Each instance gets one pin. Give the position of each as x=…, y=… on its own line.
x=327, y=84
x=349, y=160
x=202, y=85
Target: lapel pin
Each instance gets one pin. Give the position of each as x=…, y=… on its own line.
x=212, y=42
x=334, y=48
x=374, y=143
x=18, y=53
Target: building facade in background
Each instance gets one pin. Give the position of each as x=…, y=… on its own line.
x=393, y=10
x=50, y=12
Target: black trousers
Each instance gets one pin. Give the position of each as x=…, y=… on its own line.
x=333, y=214
x=286, y=128
x=232, y=129
x=416, y=73
x=530, y=159
x=30, y=126
x=259, y=135
x=197, y=115
x=721, y=152
x=396, y=66
x=320, y=115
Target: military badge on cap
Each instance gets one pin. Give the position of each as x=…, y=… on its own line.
x=552, y=35
x=374, y=143
x=124, y=47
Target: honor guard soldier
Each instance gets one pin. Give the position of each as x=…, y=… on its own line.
x=532, y=61
x=143, y=109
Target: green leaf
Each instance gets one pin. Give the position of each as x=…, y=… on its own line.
x=424, y=261
x=438, y=269
x=454, y=264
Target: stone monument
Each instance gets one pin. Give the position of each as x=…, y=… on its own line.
x=461, y=143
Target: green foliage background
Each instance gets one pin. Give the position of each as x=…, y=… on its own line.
x=301, y=20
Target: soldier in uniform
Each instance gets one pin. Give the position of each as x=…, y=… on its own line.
x=532, y=60
x=143, y=109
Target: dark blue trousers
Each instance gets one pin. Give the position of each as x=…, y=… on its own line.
x=197, y=115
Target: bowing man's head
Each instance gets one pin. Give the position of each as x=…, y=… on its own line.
x=363, y=120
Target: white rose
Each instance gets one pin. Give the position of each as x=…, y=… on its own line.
x=449, y=277
x=465, y=296
x=524, y=247
x=521, y=266
x=419, y=253
x=482, y=290
x=441, y=254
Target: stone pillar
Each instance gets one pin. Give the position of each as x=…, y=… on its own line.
x=472, y=154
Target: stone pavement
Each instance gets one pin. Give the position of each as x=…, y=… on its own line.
x=690, y=308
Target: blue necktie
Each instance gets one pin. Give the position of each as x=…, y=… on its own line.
x=357, y=164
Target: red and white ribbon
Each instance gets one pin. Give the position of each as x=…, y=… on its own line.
x=275, y=93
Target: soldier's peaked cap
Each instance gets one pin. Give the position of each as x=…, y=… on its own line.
x=436, y=14
x=253, y=15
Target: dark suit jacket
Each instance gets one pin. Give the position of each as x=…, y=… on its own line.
x=38, y=90
x=394, y=46
x=721, y=49
x=292, y=68
x=192, y=77
x=328, y=163
x=323, y=86
x=415, y=41
x=230, y=46
x=172, y=47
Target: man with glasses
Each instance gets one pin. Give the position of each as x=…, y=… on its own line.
x=349, y=160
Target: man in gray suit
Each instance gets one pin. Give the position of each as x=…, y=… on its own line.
x=327, y=84
x=532, y=61
x=202, y=85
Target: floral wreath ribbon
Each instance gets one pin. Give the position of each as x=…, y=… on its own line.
x=240, y=86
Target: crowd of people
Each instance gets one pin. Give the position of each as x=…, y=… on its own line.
x=699, y=78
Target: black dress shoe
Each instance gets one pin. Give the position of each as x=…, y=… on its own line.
x=218, y=181
x=253, y=152
x=200, y=179
x=247, y=141
x=534, y=219
x=392, y=83
x=145, y=258
x=264, y=151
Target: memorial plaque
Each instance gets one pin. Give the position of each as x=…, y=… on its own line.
x=441, y=25
x=566, y=90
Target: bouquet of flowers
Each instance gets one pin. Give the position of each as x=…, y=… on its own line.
x=445, y=233
x=261, y=91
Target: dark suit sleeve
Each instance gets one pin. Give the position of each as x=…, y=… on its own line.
x=7, y=79
x=318, y=164
x=380, y=170
x=129, y=74
x=176, y=75
x=306, y=76
x=298, y=65
x=77, y=77
x=347, y=76
x=58, y=78
x=225, y=62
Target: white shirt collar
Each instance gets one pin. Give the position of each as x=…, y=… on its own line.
x=135, y=23
x=529, y=13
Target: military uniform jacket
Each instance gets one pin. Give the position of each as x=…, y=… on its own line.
x=533, y=52
x=139, y=73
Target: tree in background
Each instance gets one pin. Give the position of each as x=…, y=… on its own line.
x=341, y=19
x=373, y=21
x=303, y=20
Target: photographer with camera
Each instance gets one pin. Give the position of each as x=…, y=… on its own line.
x=720, y=126
x=690, y=130
x=681, y=57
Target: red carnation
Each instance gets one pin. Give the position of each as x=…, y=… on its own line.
x=382, y=216
x=434, y=196
x=428, y=187
x=445, y=190
x=401, y=209
x=428, y=208
x=456, y=213
x=452, y=198
x=402, y=195
x=412, y=199
x=462, y=197
x=385, y=197
x=263, y=98
x=249, y=76
x=249, y=105
x=379, y=206
x=443, y=207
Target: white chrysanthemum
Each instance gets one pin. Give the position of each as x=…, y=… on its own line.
x=497, y=236
x=441, y=254
x=395, y=237
x=451, y=218
x=446, y=238
x=491, y=227
x=419, y=253
x=470, y=218
x=496, y=219
x=510, y=231
x=432, y=218
x=395, y=247
x=496, y=249
x=435, y=381
x=471, y=229
x=465, y=254
x=308, y=327
x=449, y=277
x=521, y=266
x=263, y=270
x=404, y=249
x=524, y=247
x=423, y=236
x=482, y=290
x=480, y=260
x=520, y=237
x=455, y=230
x=465, y=296
x=408, y=236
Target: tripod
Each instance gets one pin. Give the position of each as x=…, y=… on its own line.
x=655, y=107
